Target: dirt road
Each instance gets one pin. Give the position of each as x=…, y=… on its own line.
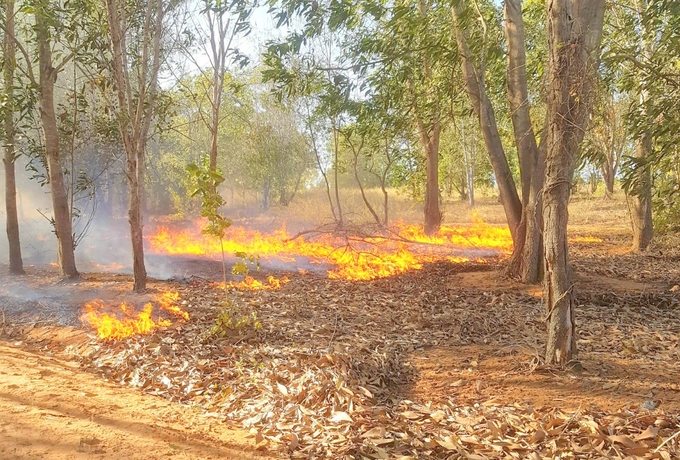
x=51, y=409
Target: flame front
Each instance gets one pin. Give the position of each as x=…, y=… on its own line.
x=123, y=321
x=251, y=284
x=407, y=248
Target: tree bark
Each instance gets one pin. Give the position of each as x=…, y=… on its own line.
x=574, y=35
x=430, y=142
x=16, y=265
x=135, y=115
x=475, y=87
x=608, y=175
x=525, y=262
x=63, y=227
x=643, y=229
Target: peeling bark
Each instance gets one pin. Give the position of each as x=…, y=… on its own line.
x=574, y=35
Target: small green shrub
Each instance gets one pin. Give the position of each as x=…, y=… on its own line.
x=235, y=321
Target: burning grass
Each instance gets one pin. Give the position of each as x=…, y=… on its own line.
x=124, y=320
x=353, y=256
x=251, y=284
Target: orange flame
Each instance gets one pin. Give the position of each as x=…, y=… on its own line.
x=124, y=321
x=251, y=284
x=408, y=248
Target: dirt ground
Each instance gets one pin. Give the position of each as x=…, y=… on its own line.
x=51, y=409
x=434, y=363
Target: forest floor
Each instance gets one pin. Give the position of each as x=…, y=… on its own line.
x=442, y=362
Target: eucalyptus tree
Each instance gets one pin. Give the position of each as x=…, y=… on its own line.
x=477, y=28
x=607, y=139
x=574, y=36
x=9, y=124
x=52, y=28
x=278, y=158
x=401, y=51
x=309, y=71
x=645, y=43
x=136, y=30
x=220, y=23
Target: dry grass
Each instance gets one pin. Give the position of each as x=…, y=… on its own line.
x=310, y=208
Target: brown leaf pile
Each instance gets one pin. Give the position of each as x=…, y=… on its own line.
x=329, y=373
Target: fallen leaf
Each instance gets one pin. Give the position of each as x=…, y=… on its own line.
x=338, y=417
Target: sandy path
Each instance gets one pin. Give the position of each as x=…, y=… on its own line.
x=51, y=409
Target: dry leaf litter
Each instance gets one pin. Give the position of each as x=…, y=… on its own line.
x=329, y=373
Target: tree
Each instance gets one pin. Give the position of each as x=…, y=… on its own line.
x=63, y=226
x=574, y=36
x=475, y=84
x=136, y=106
x=524, y=217
x=607, y=139
x=224, y=22
x=16, y=265
x=400, y=60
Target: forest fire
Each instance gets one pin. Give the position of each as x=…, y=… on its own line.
x=122, y=321
x=251, y=284
x=352, y=258
x=404, y=247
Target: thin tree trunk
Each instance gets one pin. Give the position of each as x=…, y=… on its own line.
x=643, y=230
x=574, y=35
x=320, y=166
x=526, y=259
x=16, y=265
x=430, y=141
x=474, y=84
x=336, y=185
x=356, y=151
x=135, y=115
x=63, y=227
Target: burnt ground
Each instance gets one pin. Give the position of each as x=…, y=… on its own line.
x=444, y=362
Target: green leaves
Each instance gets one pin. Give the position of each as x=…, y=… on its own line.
x=205, y=183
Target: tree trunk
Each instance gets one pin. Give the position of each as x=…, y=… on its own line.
x=574, y=35
x=430, y=141
x=527, y=254
x=475, y=86
x=265, y=194
x=643, y=229
x=336, y=166
x=135, y=114
x=63, y=227
x=135, y=190
x=16, y=265
x=356, y=151
x=608, y=175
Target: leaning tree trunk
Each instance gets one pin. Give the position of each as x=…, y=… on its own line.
x=16, y=265
x=63, y=227
x=475, y=86
x=526, y=259
x=574, y=35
